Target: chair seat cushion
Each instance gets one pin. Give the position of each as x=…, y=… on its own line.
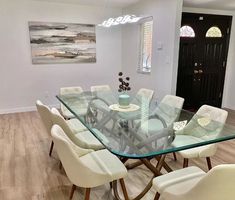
x=104, y=162
x=67, y=114
x=175, y=178
x=88, y=140
x=151, y=126
x=197, y=152
x=76, y=126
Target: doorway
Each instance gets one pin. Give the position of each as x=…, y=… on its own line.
x=204, y=44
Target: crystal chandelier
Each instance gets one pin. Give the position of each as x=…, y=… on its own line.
x=120, y=20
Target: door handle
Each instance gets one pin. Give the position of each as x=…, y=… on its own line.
x=200, y=71
x=196, y=71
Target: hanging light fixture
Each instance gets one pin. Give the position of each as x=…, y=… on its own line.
x=120, y=20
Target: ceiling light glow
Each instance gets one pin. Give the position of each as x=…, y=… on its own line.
x=120, y=20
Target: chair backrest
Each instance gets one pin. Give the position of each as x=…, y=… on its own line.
x=81, y=165
x=103, y=90
x=66, y=91
x=69, y=155
x=216, y=114
x=146, y=93
x=173, y=101
x=70, y=90
x=211, y=129
x=169, y=108
x=217, y=184
x=45, y=115
x=59, y=120
x=100, y=88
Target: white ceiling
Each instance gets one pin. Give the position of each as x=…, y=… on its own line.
x=108, y=3
x=211, y=4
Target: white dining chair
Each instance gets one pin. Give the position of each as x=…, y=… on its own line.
x=47, y=119
x=86, y=168
x=45, y=115
x=70, y=91
x=194, y=184
x=166, y=113
x=76, y=131
x=194, y=132
x=143, y=97
x=101, y=105
x=145, y=93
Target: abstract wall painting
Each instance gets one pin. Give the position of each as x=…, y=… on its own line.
x=62, y=43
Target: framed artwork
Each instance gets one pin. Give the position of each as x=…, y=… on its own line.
x=62, y=43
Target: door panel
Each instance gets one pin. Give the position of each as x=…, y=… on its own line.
x=187, y=62
x=202, y=60
x=208, y=89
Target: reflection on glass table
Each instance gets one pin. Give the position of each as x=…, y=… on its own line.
x=132, y=135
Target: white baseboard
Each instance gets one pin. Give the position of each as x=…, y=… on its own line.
x=23, y=109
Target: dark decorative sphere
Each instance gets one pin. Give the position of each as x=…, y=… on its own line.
x=127, y=78
x=120, y=79
x=128, y=88
x=120, y=73
x=119, y=90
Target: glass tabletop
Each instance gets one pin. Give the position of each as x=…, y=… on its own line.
x=144, y=128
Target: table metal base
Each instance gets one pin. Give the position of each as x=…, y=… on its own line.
x=156, y=170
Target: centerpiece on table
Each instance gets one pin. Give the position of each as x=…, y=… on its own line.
x=124, y=98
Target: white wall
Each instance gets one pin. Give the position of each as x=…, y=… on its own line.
x=167, y=20
x=229, y=94
x=21, y=83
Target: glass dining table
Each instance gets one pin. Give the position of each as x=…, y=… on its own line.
x=144, y=130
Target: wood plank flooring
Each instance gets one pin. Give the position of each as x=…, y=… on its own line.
x=28, y=173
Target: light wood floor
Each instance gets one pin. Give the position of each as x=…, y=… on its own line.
x=28, y=173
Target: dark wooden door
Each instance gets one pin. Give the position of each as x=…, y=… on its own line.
x=202, y=59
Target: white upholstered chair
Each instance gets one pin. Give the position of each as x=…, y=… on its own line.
x=193, y=184
x=101, y=105
x=169, y=108
x=146, y=93
x=102, y=90
x=45, y=115
x=201, y=132
x=87, y=168
x=167, y=111
x=70, y=90
x=76, y=131
x=143, y=97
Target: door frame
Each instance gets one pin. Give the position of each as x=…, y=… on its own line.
x=215, y=14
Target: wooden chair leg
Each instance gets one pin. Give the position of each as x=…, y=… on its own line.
x=60, y=165
x=87, y=193
x=157, y=196
x=72, y=191
x=51, y=148
x=208, y=160
x=175, y=157
x=185, y=163
x=123, y=186
x=111, y=185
